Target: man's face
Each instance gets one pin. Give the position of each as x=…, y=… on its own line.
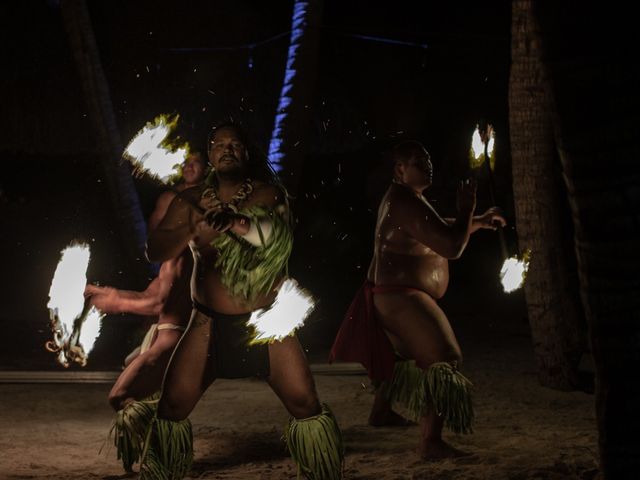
x=416, y=170
x=227, y=153
x=193, y=169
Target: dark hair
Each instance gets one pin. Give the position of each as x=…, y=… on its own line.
x=227, y=125
x=257, y=161
x=200, y=153
x=405, y=148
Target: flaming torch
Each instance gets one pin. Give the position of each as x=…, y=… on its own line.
x=288, y=312
x=514, y=269
x=482, y=147
x=151, y=152
x=74, y=322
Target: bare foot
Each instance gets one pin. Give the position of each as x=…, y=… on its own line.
x=389, y=419
x=438, y=449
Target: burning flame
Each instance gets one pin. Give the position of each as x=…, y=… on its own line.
x=476, y=154
x=75, y=326
x=149, y=151
x=514, y=271
x=90, y=329
x=287, y=313
x=67, y=287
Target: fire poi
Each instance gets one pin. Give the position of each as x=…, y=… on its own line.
x=74, y=322
x=514, y=269
x=481, y=149
x=287, y=313
x=151, y=152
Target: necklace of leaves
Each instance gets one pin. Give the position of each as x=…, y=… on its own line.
x=212, y=202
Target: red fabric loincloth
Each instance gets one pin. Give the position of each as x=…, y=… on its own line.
x=362, y=339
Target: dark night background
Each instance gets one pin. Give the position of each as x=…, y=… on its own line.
x=161, y=57
x=558, y=81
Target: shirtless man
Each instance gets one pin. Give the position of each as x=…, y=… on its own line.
x=237, y=230
x=166, y=297
x=396, y=315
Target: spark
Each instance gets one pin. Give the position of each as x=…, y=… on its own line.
x=288, y=312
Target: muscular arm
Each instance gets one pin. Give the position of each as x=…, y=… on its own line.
x=491, y=220
x=160, y=210
x=111, y=300
x=177, y=228
x=424, y=224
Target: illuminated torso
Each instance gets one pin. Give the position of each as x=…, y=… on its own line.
x=399, y=259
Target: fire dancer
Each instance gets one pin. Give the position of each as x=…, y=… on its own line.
x=166, y=297
x=241, y=244
x=134, y=395
x=394, y=326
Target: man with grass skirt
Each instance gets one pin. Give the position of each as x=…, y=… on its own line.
x=134, y=396
x=237, y=226
x=394, y=326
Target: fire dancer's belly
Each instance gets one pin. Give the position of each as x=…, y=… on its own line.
x=207, y=287
x=428, y=271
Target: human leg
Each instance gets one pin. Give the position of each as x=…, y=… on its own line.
x=143, y=376
x=419, y=330
x=168, y=441
x=382, y=413
x=291, y=379
x=135, y=397
x=313, y=436
x=189, y=372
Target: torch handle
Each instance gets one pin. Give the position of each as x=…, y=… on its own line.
x=492, y=194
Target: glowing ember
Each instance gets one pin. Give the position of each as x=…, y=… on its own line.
x=287, y=313
x=514, y=271
x=476, y=154
x=75, y=326
x=149, y=151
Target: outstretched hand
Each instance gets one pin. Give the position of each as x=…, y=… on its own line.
x=105, y=299
x=491, y=219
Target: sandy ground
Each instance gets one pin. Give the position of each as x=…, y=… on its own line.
x=523, y=431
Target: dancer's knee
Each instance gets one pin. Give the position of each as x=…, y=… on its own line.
x=172, y=410
x=118, y=398
x=165, y=343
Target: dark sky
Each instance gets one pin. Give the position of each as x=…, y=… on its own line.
x=193, y=58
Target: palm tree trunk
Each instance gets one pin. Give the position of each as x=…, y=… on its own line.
x=555, y=314
x=596, y=107
x=124, y=198
x=293, y=117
